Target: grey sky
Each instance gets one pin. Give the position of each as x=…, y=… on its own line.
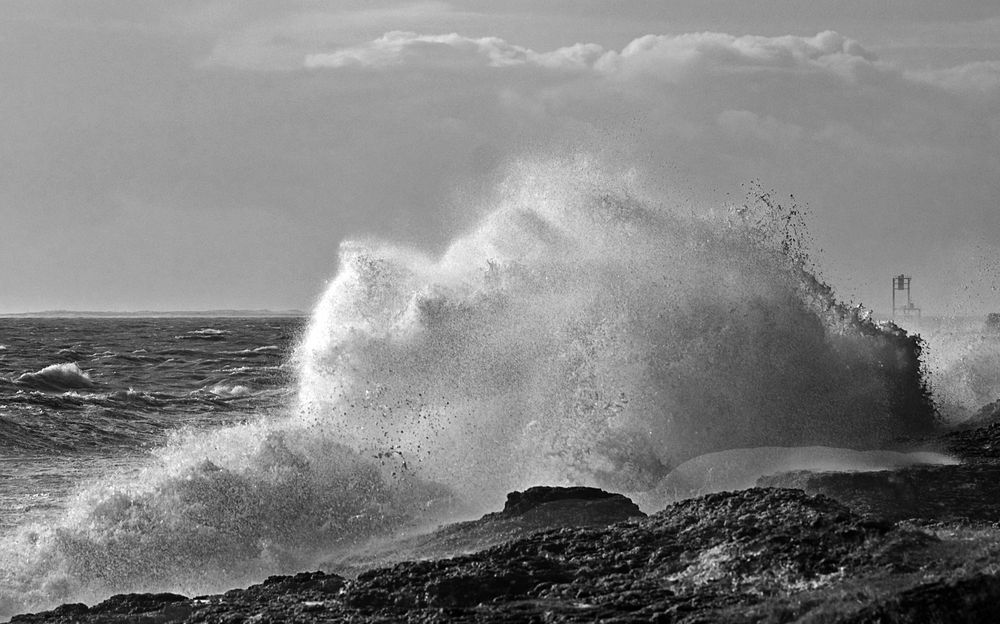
x=212, y=154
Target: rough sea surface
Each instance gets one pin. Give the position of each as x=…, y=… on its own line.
x=82, y=396
x=586, y=331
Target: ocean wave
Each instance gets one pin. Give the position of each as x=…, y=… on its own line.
x=131, y=401
x=187, y=353
x=229, y=391
x=57, y=378
x=17, y=437
x=73, y=354
x=586, y=333
x=211, y=511
x=47, y=432
x=267, y=351
x=582, y=333
x=206, y=333
x=963, y=364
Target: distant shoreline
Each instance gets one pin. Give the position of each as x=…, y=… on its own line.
x=158, y=314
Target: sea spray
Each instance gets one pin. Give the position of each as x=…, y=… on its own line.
x=583, y=332
x=57, y=377
x=211, y=511
x=962, y=363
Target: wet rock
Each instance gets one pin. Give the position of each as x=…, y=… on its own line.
x=976, y=444
x=525, y=512
x=968, y=492
x=138, y=608
x=519, y=503
x=972, y=599
x=759, y=555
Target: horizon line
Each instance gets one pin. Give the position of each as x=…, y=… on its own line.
x=204, y=312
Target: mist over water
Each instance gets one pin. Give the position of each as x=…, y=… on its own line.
x=583, y=332
x=961, y=362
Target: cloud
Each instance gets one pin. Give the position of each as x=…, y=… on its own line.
x=981, y=76
x=890, y=160
x=743, y=123
x=320, y=119
x=663, y=56
x=657, y=55
x=400, y=48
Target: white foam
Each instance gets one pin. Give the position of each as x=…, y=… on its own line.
x=582, y=333
x=229, y=390
x=740, y=469
x=57, y=377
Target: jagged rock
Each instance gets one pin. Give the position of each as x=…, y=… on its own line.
x=537, y=508
x=519, y=503
x=759, y=555
x=137, y=608
x=716, y=558
x=980, y=443
x=972, y=599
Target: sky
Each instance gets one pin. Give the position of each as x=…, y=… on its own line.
x=213, y=154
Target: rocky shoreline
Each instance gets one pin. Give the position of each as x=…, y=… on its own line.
x=919, y=544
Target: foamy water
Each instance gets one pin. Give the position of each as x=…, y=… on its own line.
x=584, y=332
x=962, y=363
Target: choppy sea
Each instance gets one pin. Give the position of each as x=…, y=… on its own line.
x=82, y=396
x=586, y=331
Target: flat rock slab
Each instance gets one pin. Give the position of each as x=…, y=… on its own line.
x=967, y=492
x=964, y=493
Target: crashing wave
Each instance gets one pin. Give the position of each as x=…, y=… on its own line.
x=581, y=333
x=57, y=378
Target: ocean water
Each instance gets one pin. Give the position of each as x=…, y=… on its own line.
x=586, y=330
x=79, y=396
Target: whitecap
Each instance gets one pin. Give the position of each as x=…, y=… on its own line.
x=57, y=377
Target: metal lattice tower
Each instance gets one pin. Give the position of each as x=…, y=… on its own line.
x=901, y=283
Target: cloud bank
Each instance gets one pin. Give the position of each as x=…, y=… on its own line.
x=236, y=129
x=896, y=165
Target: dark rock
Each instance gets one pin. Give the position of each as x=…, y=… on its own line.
x=977, y=444
x=967, y=492
x=940, y=493
x=971, y=599
x=544, y=506
x=525, y=512
x=307, y=585
x=760, y=555
x=134, y=608
x=521, y=502
x=136, y=603
x=692, y=558
x=63, y=613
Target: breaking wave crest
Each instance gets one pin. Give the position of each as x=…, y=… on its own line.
x=57, y=378
x=581, y=333
x=584, y=333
